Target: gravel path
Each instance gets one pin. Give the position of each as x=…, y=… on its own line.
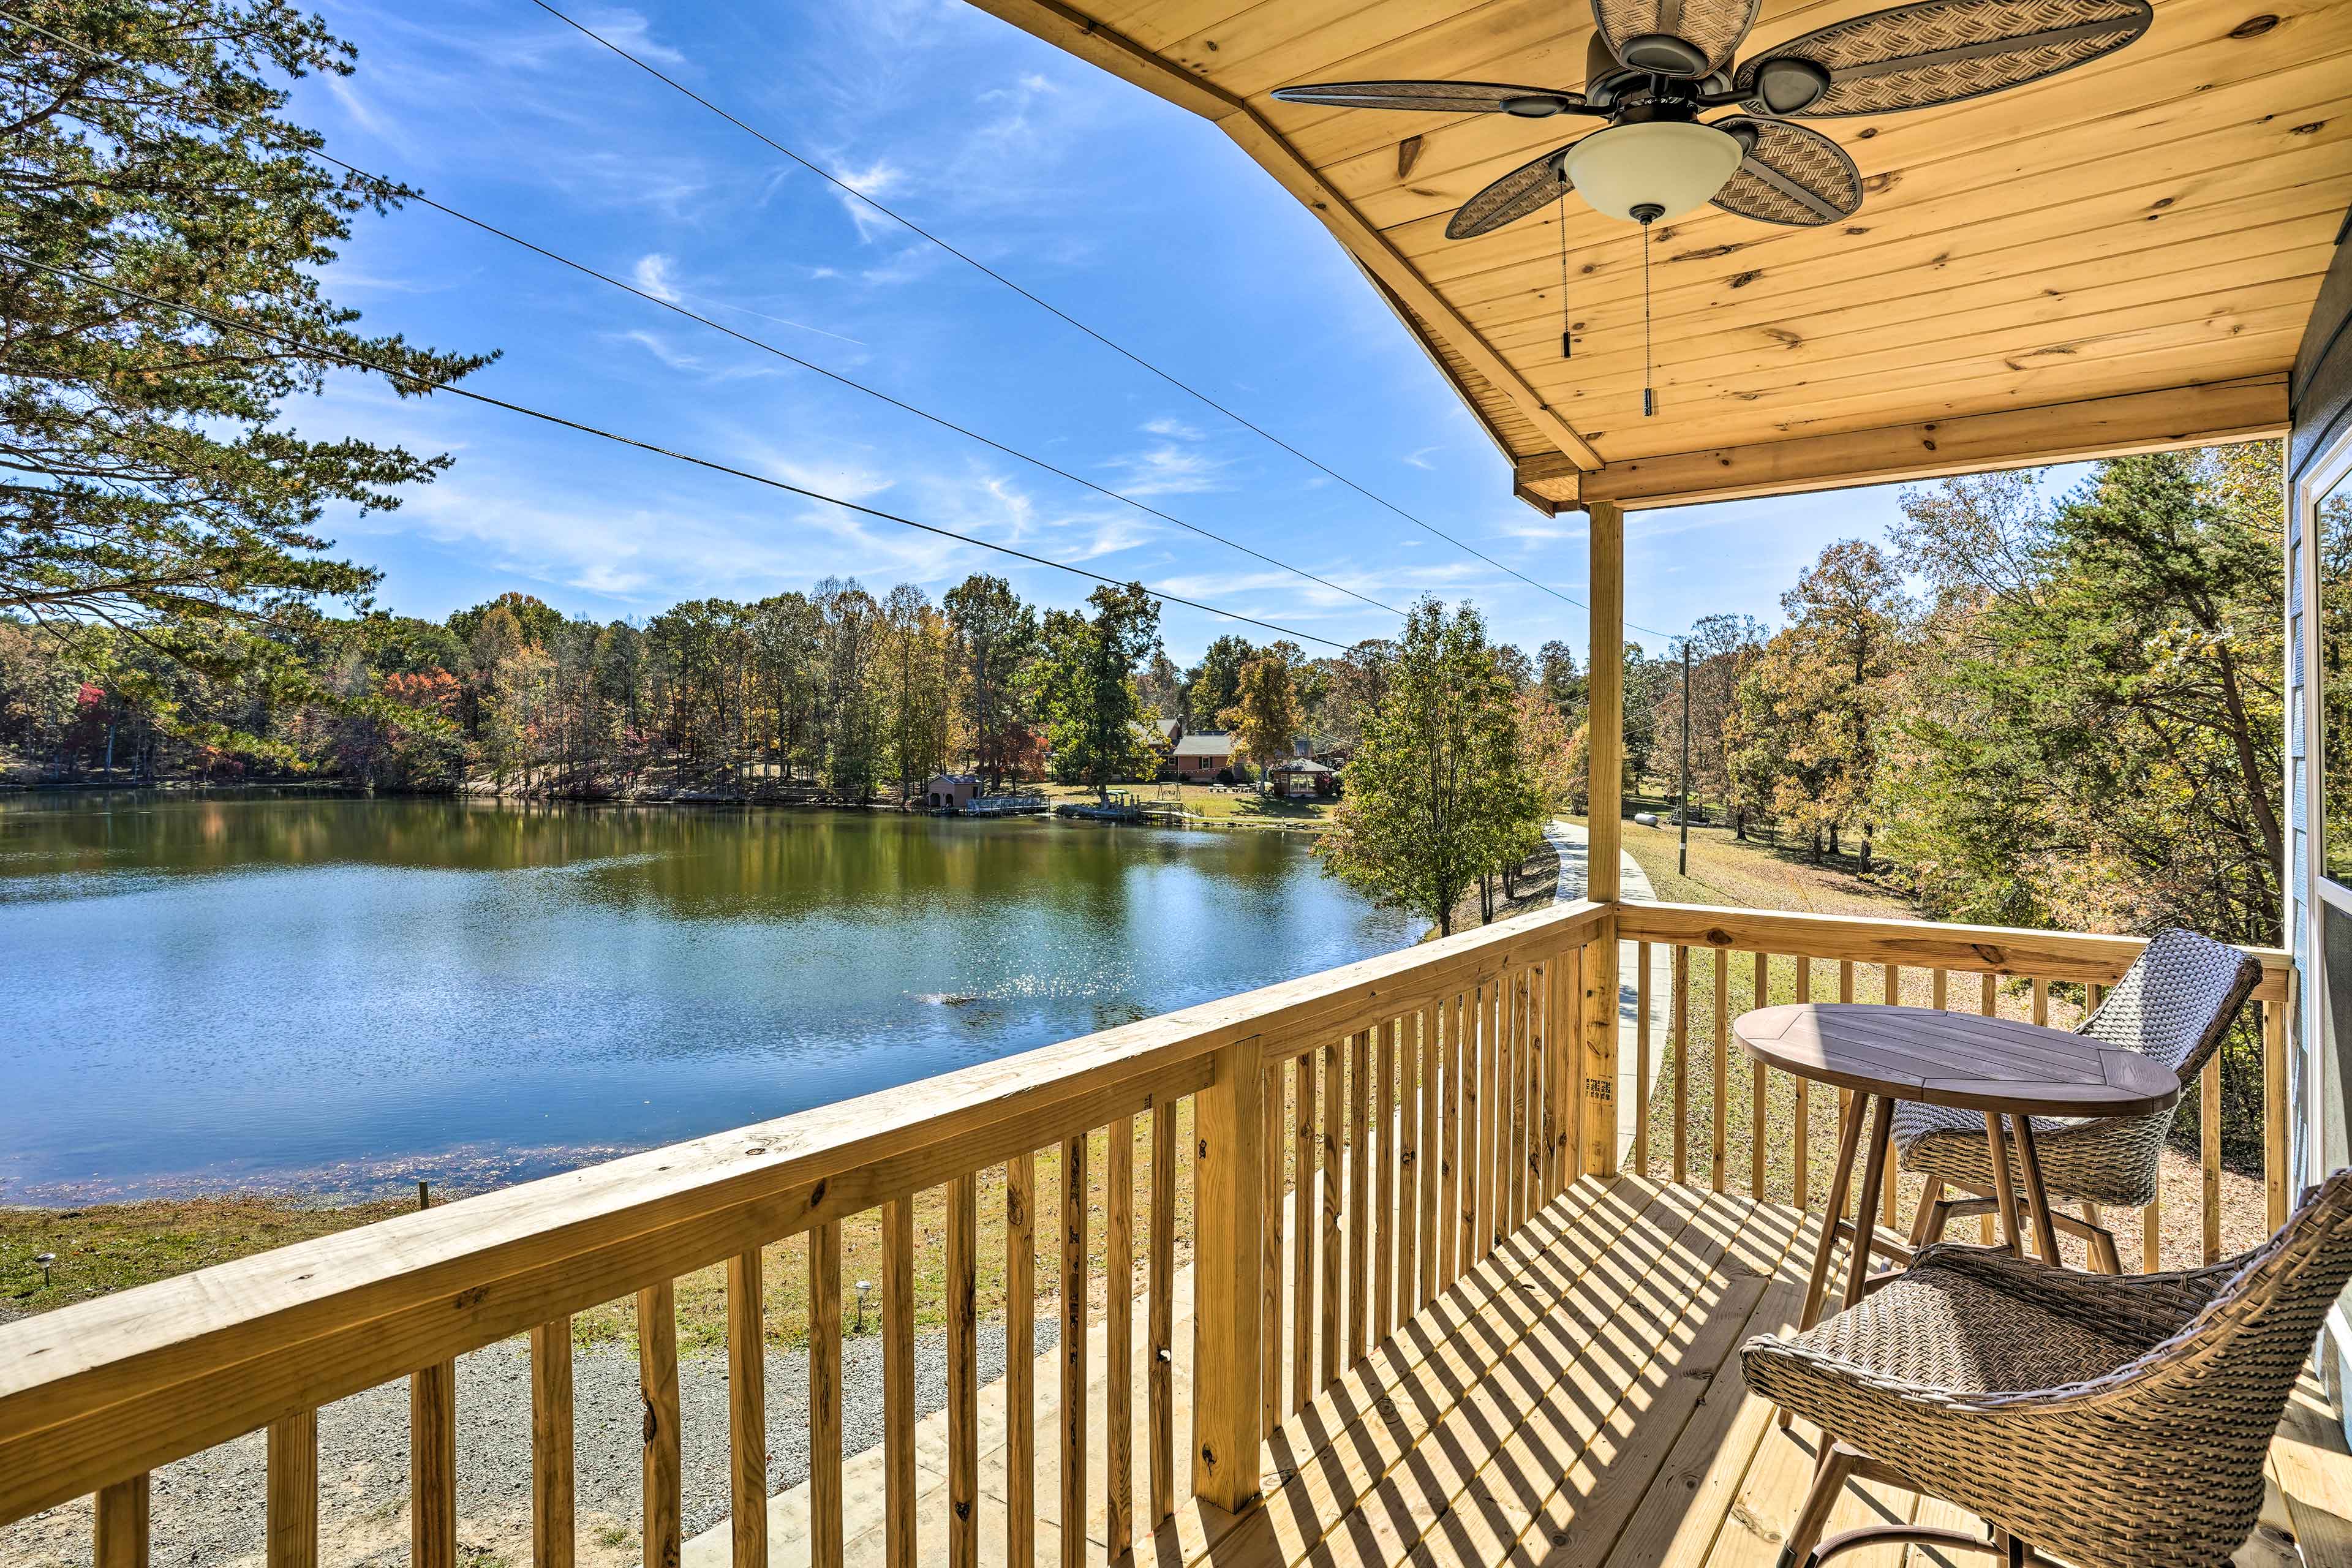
x=208, y=1510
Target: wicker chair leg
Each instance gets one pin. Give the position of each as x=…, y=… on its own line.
x=2008, y=1549
x=1837, y=1463
x=2104, y=1256
x=1929, y=1225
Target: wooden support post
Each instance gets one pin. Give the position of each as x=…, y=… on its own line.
x=2274, y=1110
x=292, y=1522
x=898, y=1379
x=663, y=1467
x=1162, y=1373
x=1605, y=707
x=963, y=1372
x=120, y=1529
x=747, y=1406
x=1118, y=1339
x=2209, y=1139
x=553, y=1542
x=1072, y=1350
x=825, y=1509
x=1020, y=1360
x=432, y=1468
x=1228, y=1209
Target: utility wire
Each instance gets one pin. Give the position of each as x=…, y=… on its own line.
x=410, y=379
x=390, y=188
x=1055, y=311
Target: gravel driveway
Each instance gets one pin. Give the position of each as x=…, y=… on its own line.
x=208, y=1510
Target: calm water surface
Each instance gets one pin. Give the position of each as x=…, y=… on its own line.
x=268, y=991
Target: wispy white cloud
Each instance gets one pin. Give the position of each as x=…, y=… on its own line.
x=1421, y=459
x=1176, y=429
x=652, y=275
x=1167, y=471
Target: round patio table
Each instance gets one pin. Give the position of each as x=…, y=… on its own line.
x=2002, y=1070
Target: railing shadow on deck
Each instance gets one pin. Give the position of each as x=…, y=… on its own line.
x=1364, y=1141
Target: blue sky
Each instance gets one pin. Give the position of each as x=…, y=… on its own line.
x=1131, y=215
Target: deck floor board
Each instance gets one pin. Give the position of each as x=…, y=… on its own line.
x=1573, y=1401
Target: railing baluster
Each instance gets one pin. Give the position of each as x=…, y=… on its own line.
x=657, y=1382
x=2208, y=1137
x=963, y=1371
x=1938, y=981
x=291, y=1530
x=747, y=1406
x=2041, y=1000
x=1463, y=1187
x=1722, y=1066
x=1989, y=1003
x=1021, y=1358
x=898, y=1379
x=1494, y=1113
x=1413, y=1071
x=1118, y=1408
x=433, y=1463
x=1335, y=1074
x=1682, y=1064
x=1432, y=1154
x=1305, y=1185
x=1381, y=1221
x=1228, y=1167
x=1641, y=1059
x=1269, y=1278
x=120, y=1534
x=1074, y=1352
x=1890, y=1198
x=824, y=1396
x=1162, y=1375
x=1359, y=1182
x=1538, y=1107
x=552, y=1542
x=1759, y=1112
x=1800, y=1184
x=2274, y=1112
x=1845, y=979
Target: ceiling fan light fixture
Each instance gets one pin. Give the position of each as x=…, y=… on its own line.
x=1674, y=166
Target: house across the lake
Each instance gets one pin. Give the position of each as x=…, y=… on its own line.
x=1302, y=778
x=1201, y=758
x=951, y=792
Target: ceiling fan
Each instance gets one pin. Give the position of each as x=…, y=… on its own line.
x=1654, y=65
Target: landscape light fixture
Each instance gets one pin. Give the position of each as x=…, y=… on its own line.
x=44, y=1259
x=862, y=1286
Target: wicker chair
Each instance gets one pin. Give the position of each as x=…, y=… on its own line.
x=2174, y=1004
x=2106, y=1421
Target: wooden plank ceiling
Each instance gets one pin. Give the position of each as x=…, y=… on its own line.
x=2120, y=258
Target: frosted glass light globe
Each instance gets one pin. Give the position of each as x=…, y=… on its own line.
x=1673, y=164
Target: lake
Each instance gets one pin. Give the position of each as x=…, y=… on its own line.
x=337, y=994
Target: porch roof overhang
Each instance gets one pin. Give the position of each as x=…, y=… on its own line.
x=2118, y=258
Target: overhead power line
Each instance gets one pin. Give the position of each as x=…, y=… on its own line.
x=1050, y=309
x=411, y=379
x=673, y=306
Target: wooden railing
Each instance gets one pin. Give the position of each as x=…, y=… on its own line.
x=1359, y=1139
x=1723, y=962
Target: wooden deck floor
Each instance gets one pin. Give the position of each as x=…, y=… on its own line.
x=1576, y=1400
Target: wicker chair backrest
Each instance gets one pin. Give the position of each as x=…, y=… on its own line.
x=2244, y=1350
x=2175, y=1002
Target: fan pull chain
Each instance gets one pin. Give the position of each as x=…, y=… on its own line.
x=1648, y=215
x=1567, y=349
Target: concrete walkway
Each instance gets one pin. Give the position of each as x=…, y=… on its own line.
x=1570, y=841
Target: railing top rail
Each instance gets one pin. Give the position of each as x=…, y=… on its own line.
x=100, y=1391
x=1872, y=939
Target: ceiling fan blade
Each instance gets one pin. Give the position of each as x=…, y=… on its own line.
x=1942, y=51
x=1436, y=96
x=1791, y=175
x=1527, y=188
x=1715, y=26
